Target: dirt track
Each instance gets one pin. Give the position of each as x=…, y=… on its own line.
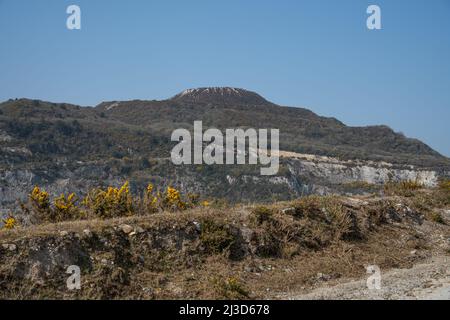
x=427, y=281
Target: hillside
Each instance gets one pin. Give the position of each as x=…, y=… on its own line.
x=60, y=145
x=301, y=130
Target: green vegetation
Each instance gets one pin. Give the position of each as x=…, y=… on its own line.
x=215, y=236
x=230, y=289
x=261, y=214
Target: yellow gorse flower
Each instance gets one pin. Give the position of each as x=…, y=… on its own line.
x=9, y=223
x=40, y=197
x=116, y=195
x=173, y=195
x=173, y=199
x=64, y=204
x=205, y=203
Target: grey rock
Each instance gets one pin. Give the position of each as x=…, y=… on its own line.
x=9, y=246
x=197, y=225
x=126, y=228
x=139, y=230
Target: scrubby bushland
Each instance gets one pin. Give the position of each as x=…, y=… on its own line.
x=221, y=253
x=103, y=203
x=114, y=202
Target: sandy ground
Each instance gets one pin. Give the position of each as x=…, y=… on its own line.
x=425, y=281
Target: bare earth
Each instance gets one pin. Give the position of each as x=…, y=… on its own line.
x=425, y=281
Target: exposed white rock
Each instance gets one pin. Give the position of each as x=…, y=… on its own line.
x=339, y=172
x=112, y=106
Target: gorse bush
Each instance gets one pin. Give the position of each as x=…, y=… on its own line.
x=107, y=203
x=172, y=199
x=111, y=202
x=40, y=205
x=169, y=200
x=40, y=198
x=150, y=201
x=65, y=208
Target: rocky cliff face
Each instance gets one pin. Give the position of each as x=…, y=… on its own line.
x=66, y=148
x=299, y=175
x=336, y=172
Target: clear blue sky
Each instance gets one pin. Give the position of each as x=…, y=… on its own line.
x=316, y=54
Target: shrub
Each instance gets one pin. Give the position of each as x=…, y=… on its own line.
x=172, y=199
x=106, y=203
x=333, y=216
x=65, y=207
x=342, y=221
x=215, y=237
x=310, y=207
x=230, y=288
x=150, y=201
x=40, y=204
x=40, y=198
x=109, y=203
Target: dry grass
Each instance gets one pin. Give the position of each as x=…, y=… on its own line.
x=405, y=188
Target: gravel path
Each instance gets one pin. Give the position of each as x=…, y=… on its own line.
x=425, y=281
